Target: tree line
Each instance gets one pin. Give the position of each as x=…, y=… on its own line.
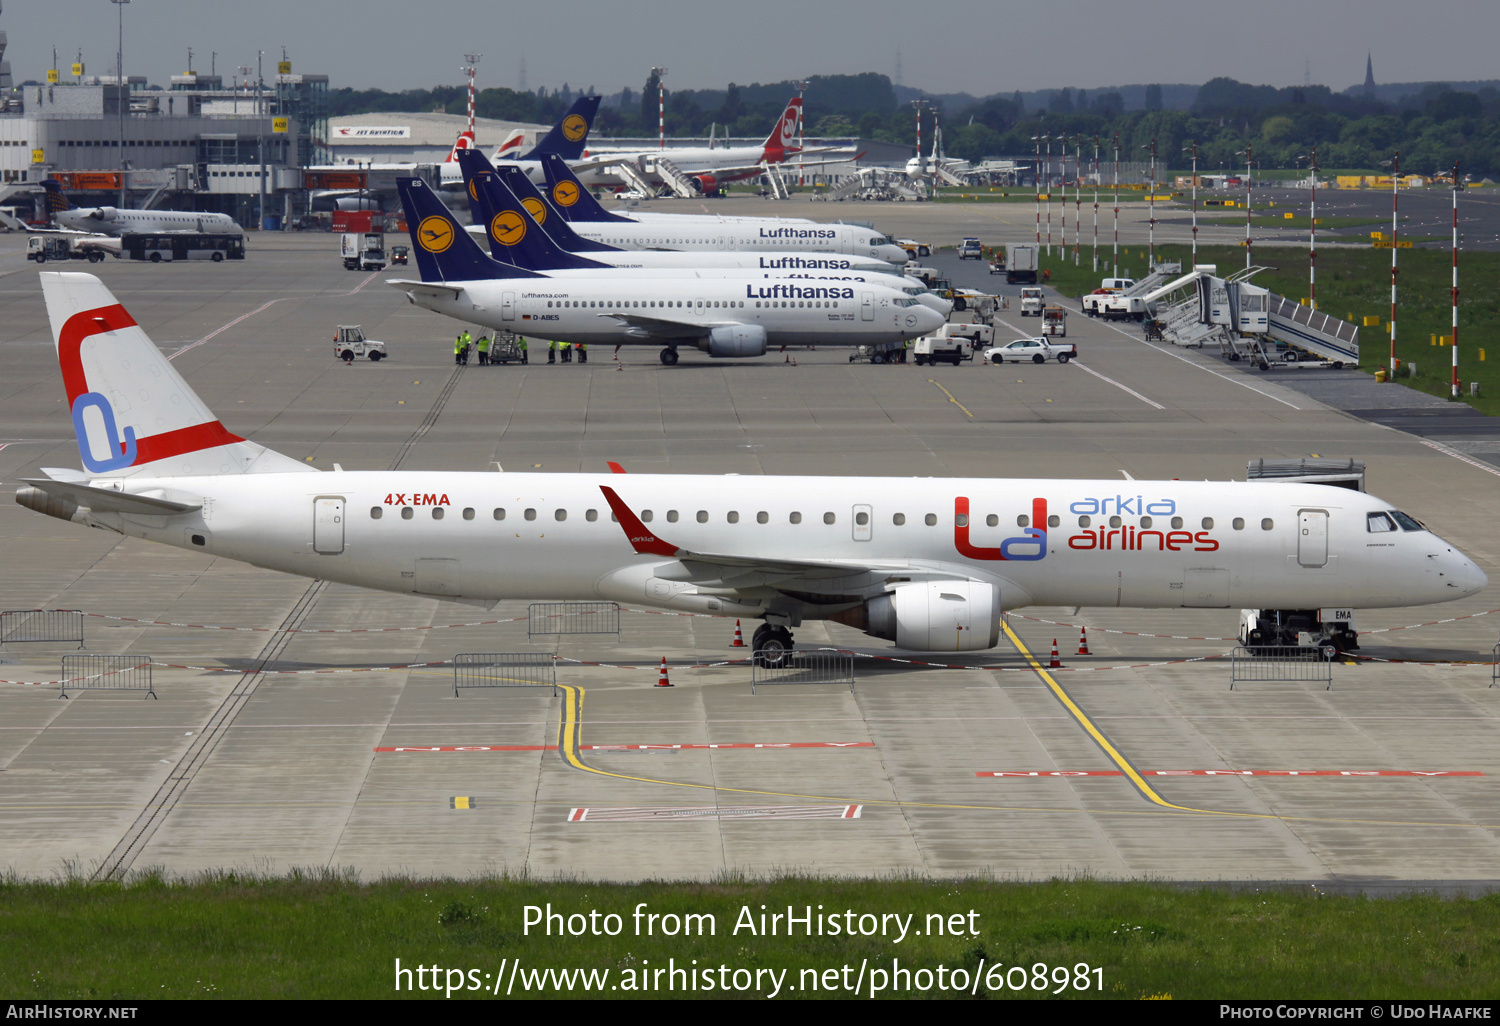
x=1431, y=128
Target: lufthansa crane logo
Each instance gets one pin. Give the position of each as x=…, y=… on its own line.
x=566, y=193
x=474, y=187
x=574, y=127
x=435, y=234
x=536, y=208
x=508, y=228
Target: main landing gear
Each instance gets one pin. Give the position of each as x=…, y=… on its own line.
x=772, y=646
x=669, y=356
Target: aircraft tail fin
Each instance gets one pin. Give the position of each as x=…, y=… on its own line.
x=783, y=137
x=132, y=412
x=444, y=249
x=572, y=200
x=569, y=136
x=514, y=225
x=510, y=147
x=57, y=200
x=545, y=213
x=465, y=141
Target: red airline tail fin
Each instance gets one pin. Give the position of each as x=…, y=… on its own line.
x=783, y=138
x=640, y=536
x=465, y=141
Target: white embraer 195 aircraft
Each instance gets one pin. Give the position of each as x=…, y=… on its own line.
x=122, y=220
x=724, y=317
x=929, y=563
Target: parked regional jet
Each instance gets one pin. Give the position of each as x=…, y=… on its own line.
x=929, y=563
x=120, y=220
x=724, y=317
x=501, y=201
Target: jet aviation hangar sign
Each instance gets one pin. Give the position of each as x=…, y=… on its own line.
x=372, y=132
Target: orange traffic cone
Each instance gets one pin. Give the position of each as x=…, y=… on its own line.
x=1053, y=665
x=661, y=680
x=739, y=639
x=1083, y=641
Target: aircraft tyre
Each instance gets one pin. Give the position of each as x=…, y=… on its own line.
x=774, y=650
x=669, y=356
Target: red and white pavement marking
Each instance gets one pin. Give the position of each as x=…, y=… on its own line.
x=631, y=748
x=638, y=814
x=1232, y=773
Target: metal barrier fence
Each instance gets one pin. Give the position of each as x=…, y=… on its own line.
x=804, y=668
x=1495, y=666
x=106, y=673
x=1284, y=663
x=543, y=618
x=504, y=670
x=22, y=625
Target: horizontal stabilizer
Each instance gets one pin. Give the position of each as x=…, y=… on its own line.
x=107, y=500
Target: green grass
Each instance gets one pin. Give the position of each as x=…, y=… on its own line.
x=972, y=195
x=1357, y=281
x=1262, y=220
x=318, y=935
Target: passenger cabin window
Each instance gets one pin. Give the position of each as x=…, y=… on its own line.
x=560, y=515
x=499, y=514
x=1379, y=523
x=1239, y=523
x=1054, y=520
x=733, y=516
x=703, y=516
x=899, y=519
x=437, y=512
x=1208, y=523
x=530, y=514
x=1176, y=523
x=829, y=518
x=591, y=515
x=1267, y=524
x=992, y=521
x=1085, y=521
x=406, y=513
x=1023, y=521
x=930, y=520
x=1114, y=521
x=468, y=512
x=671, y=516
x=762, y=517
x=961, y=520
x=376, y=512
x=646, y=516
x=863, y=519
x=1145, y=523
x=795, y=518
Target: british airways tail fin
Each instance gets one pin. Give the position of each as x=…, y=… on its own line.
x=57, y=201
x=132, y=412
x=444, y=250
x=783, y=137
x=569, y=196
x=569, y=136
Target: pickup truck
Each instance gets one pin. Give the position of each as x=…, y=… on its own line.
x=970, y=249
x=1037, y=350
x=1032, y=302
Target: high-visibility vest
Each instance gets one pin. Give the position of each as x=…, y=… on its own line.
x=458, y=345
x=465, y=338
x=483, y=344
x=553, y=344
x=521, y=344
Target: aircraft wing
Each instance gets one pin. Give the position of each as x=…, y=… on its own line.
x=661, y=327
x=750, y=169
x=731, y=572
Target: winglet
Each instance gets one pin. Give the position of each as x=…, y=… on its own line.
x=641, y=538
x=615, y=468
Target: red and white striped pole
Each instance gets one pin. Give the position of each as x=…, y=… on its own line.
x=1457, y=185
x=1395, y=163
x=1037, y=181
x=1312, y=234
x=661, y=107
x=1096, y=204
x=1077, y=193
x=1116, y=271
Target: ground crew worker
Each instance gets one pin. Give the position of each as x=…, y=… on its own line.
x=483, y=346
x=521, y=345
x=552, y=351
x=567, y=352
x=458, y=349
x=583, y=352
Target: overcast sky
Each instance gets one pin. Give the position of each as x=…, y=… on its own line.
x=969, y=46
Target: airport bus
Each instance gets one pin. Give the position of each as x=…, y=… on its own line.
x=159, y=246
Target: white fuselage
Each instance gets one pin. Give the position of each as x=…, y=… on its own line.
x=120, y=221
x=583, y=310
x=847, y=240
x=484, y=537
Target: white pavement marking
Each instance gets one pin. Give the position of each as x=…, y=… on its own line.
x=258, y=309
x=1112, y=381
x=1460, y=456
x=1206, y=370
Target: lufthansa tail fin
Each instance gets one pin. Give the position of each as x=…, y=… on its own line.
x=444, y=250
x=515, y=233
x=546, y=215
x=132, y=412
x=56, y=200
x=571, y=199
x=569, y=136
x=783, y=137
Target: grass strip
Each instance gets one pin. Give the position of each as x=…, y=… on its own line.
x=324, y=934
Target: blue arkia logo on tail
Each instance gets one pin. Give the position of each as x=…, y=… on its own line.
x=105, y=431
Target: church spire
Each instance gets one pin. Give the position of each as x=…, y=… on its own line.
x=1369, y=77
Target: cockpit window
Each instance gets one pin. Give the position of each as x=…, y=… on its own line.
x=1407, y=523
x=1379, y=523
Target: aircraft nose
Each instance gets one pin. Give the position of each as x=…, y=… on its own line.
x=929, y=320
x=1475, y=579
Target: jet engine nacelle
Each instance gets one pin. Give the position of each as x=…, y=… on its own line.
x=735, y=340
x=103, y=213
x=707, y=184
x=937, y=616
